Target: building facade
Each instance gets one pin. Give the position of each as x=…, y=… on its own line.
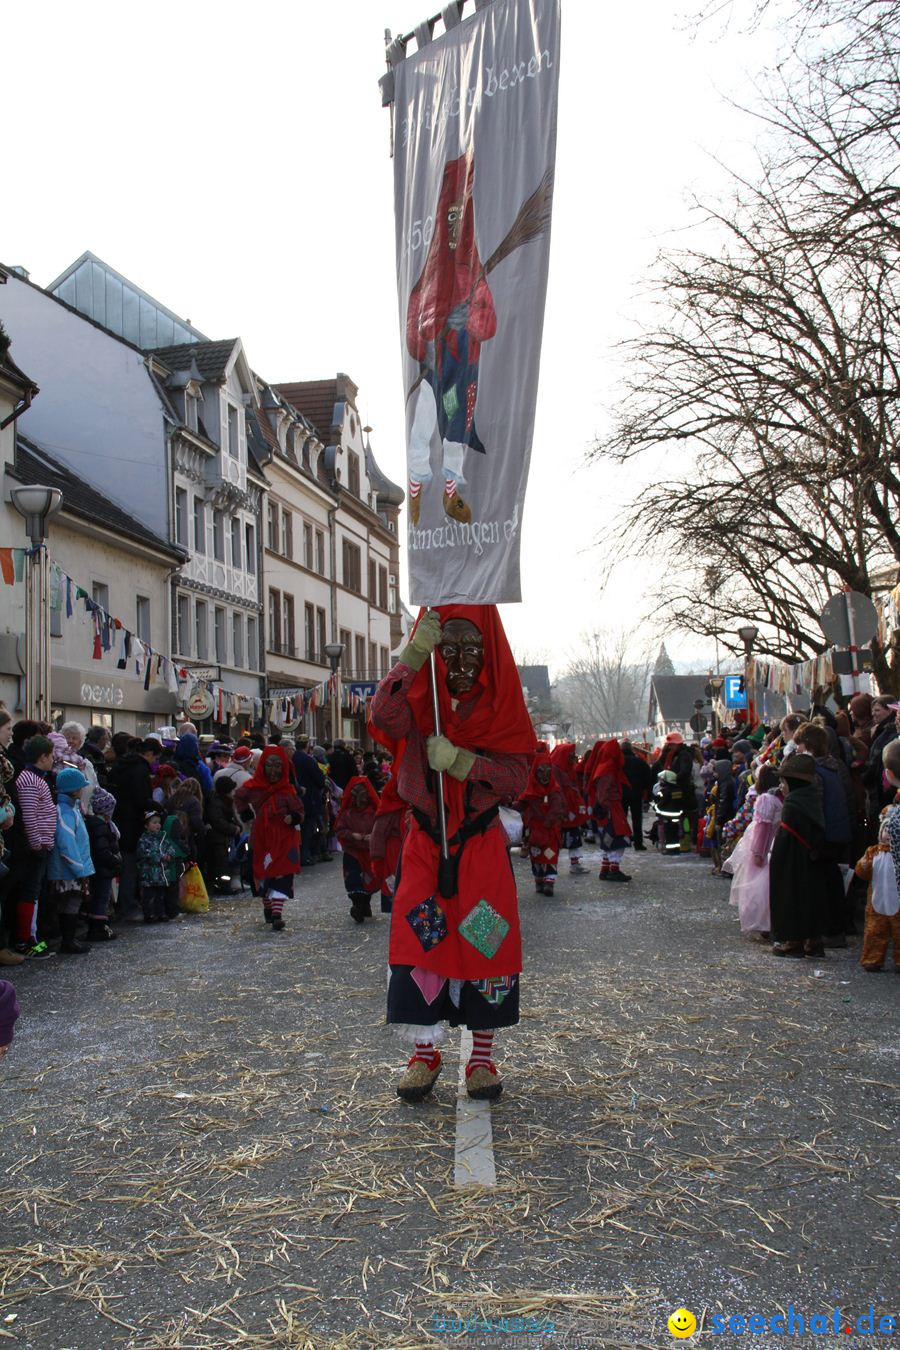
x=99, y=555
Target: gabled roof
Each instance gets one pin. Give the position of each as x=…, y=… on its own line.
x=536, y=679
x=674, y=695
x=35, y=465
x=316, y=399
x=212, y=358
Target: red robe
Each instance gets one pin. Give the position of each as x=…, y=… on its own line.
x=493, y=722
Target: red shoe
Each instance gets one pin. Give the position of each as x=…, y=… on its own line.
x=483, y=1083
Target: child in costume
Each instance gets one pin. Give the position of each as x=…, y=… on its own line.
x=563, y=759
x=749, y=863
x=353, y=827
x=543, y=809
x=270, y=800
x=607, y=783
x=455, y=948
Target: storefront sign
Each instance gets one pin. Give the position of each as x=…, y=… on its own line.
x=102, y=696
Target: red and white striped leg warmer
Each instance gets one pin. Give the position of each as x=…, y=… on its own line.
x=482, y=1043
x=425, y=1051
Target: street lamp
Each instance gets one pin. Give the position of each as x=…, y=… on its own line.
x=748, y=635
x=37, y=504
x=334, y=651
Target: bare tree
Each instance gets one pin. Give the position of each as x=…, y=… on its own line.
x=771, y=380
x=603, y=691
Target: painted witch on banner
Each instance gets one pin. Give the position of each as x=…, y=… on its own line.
x=474, y=147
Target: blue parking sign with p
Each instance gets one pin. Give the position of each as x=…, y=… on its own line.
x=735, y=693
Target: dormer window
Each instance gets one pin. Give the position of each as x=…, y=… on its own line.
x=353, y=473
x=234, y=432
x=192, y=417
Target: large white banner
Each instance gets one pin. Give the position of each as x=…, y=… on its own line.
x=474, y=148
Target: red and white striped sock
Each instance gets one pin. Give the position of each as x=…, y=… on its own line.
x=482, y=1042
x=613, y=867
x=425, y=1051
x=275, y=900
x=604, y=866
x=450, y=487
x=414, y=488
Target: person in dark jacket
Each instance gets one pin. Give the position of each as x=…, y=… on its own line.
x=107, y=859
x=342, y=764
x=311, y=785
x=129, y=781
x=797, y=917
x=187, y=802
x=837, y=811
x=223, y=829
x=879, y=793
x=640, y=781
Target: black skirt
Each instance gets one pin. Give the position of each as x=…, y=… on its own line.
x=406, y=1003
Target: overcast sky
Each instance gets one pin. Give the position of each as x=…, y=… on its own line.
x=233, y=160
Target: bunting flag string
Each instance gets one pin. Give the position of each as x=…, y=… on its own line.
x=109, y=634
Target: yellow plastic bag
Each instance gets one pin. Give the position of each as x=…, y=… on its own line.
x=192, y=892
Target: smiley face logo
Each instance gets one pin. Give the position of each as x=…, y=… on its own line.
x=682, y=1323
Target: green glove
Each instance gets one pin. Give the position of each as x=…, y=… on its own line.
x=441, y=753
x=462, y=764
x=445, y=757
x=423, y=642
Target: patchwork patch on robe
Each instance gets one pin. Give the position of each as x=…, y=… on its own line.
x=484, y=928
x=429, y=982
x=494, y=988
x=429, y=923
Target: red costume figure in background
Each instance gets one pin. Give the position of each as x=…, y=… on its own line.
x=274, y=835
x=455, y=948
x=543, y=808
x=563, y=759
x=387, y=840
x=607, y=781
x=450, y=313
x=353, y=828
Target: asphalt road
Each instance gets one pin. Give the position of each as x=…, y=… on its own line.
x=200, y=1143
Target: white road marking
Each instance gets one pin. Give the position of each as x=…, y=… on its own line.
x=474, y=1162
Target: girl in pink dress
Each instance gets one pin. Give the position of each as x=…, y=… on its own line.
x=749, y=863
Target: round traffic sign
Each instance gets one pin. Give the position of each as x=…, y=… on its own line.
x=698, y=722
x=840, y=610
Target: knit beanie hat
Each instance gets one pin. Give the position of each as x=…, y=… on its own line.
x=103, y=803
x=70, y=781
x=9, y=1012
x=802, y=768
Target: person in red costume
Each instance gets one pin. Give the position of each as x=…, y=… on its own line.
x=353, y=830
x=543, y=808
x=270, y=800
x=450, y=314
x=387, y=840
x=607, y=782
x=563, y=758
x=455, y=948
